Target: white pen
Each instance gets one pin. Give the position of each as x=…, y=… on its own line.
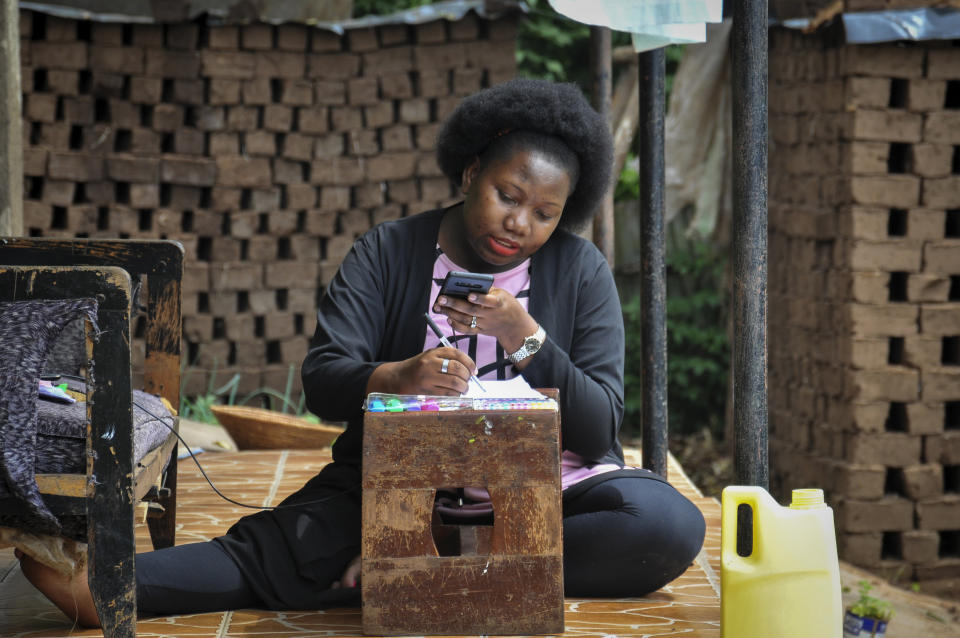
x=444, y=341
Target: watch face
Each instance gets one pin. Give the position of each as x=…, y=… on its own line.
x=531, y=343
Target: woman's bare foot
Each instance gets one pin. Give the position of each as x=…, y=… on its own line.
x=70, y=595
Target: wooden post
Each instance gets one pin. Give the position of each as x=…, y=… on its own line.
x=11, y=144
x=601, y=65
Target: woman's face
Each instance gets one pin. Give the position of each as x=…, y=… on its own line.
x=512, y=207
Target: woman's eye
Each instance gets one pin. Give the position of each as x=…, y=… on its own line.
x=545, y=216
x=506, y=198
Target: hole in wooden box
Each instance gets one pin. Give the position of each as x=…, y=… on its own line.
x=898, y=159
x=952, y=224
x=951, y=415
x=951, y=100
x=898, y=93
x=462, y=523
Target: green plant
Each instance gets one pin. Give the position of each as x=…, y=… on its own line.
x=869, y=606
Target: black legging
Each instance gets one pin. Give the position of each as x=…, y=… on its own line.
x=622, y=537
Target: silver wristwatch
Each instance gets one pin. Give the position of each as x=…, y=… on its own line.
x=530, y=345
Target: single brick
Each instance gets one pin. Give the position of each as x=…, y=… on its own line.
x=313, y=119
x=502, y=28
x=932, y=160
x=336, y=171
x=379, y=115
x=442, y=56
x=328, y=146
x=923, y=481
x=885, y=60
x=939, y=514
x=292, y=37
x=435, y=189
x=243, y=172
x=922, y=351
x=322, y=41
x=189, y=141
x=926, y=94
x=224, y=144
x=396, y=138
x=426, y=135
x=926, y=286
x=925, y=224
x=942, y=127
x=78, y=167
x=434, y=83
x=346, y=118
x=244, y=224
x=360, y=40
x=942, y=64
x=34, y=161
x=258, y=37
x=391, y=34
x=940, y=319
x=890, y=513
x=868, y=353
x=301, y=196
x=287, y=171
x=297, y=147
x=942, y=192
x=466, y=28
x=368, y=195
x=942, y=257
x=391, y=166
x=277, y=117
x=499, y=60
x=861, y=92
x=144, y=195
x=289, y=274
x=387, y=213
x=333, y=66
x=174, y=64
x=887, y=125
x=183, y=35
x=942, y=384
x=126, y=60
x=403, y=191
x=211, y=118
x=892, y=383
x=224, y=91
x=188, y=170
x=144, y=90
x=63, y=82
x=861, y=549
x=41, y=107
x=871, y=287
x=866, y=158
x=895, y=191
x=223, y=37
x=363, y=143
x=58, y=192
x=925, y=418
x=304, y=248
x=148, y=35
x=396, y=86
x=883, y=320
x=321, y=223
x=242, y=118
x=133, y=168
x=431, y=32
x=427, y=166
x=892, y=255
x=59, y=55
x=362, y=91
x=919, y=546
x=280, y=64
x=334, y=198
x=388, y=61
x=467, y=81
x=235, y=65
x=267, y=199
x=235, y=276
x=257, y=91
x=858, y=481
x=415, y=111
x=297, y=92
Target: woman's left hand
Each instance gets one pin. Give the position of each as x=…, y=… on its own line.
x=497, y=314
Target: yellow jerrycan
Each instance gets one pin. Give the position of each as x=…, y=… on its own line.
x=786, y=583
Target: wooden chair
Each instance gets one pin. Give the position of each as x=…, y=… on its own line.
x=107, y=494
x=504, y=578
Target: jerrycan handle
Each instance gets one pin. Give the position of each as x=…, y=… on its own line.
x=738, y=520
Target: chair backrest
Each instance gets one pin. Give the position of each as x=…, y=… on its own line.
x=159, y=261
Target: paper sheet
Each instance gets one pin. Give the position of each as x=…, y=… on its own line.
x=515, y=388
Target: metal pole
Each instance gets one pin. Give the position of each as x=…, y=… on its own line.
x=749, y=57
x=653, y=297
x=601, y=65
x=11, y=144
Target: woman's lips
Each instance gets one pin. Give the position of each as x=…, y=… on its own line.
x=503, y=247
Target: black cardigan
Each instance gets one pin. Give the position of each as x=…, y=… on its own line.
x=372, y=312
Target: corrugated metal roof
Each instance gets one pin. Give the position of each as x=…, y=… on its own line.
x=333, y=15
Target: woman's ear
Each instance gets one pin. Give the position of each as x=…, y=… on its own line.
x=468, y=175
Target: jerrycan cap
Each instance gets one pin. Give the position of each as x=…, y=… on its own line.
x=807, y=499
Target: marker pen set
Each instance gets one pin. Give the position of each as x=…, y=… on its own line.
x=379, y=402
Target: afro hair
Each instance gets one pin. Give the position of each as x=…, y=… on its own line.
x=537, y=106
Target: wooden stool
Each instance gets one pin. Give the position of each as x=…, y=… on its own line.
x=501, y=579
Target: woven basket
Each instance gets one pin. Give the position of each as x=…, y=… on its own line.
x=259, y=429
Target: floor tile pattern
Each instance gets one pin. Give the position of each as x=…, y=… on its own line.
x=690, y=606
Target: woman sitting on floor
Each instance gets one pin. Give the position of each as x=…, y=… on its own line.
x=533, y=160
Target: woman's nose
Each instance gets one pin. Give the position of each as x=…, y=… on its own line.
x=517, y=222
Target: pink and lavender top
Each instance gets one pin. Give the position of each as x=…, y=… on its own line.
x=491, y=360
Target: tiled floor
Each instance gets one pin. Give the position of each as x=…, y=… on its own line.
x=689, y=606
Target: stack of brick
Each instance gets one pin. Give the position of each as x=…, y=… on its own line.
x=865, y=293
x=266, y=150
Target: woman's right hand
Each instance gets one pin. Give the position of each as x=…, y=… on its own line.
x=424, y=374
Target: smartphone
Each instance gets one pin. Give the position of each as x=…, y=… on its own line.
x=461, y=284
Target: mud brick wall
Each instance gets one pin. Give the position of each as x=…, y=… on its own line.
x=266, y=150
x=864, y=302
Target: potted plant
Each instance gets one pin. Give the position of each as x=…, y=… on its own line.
x=868, y=617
